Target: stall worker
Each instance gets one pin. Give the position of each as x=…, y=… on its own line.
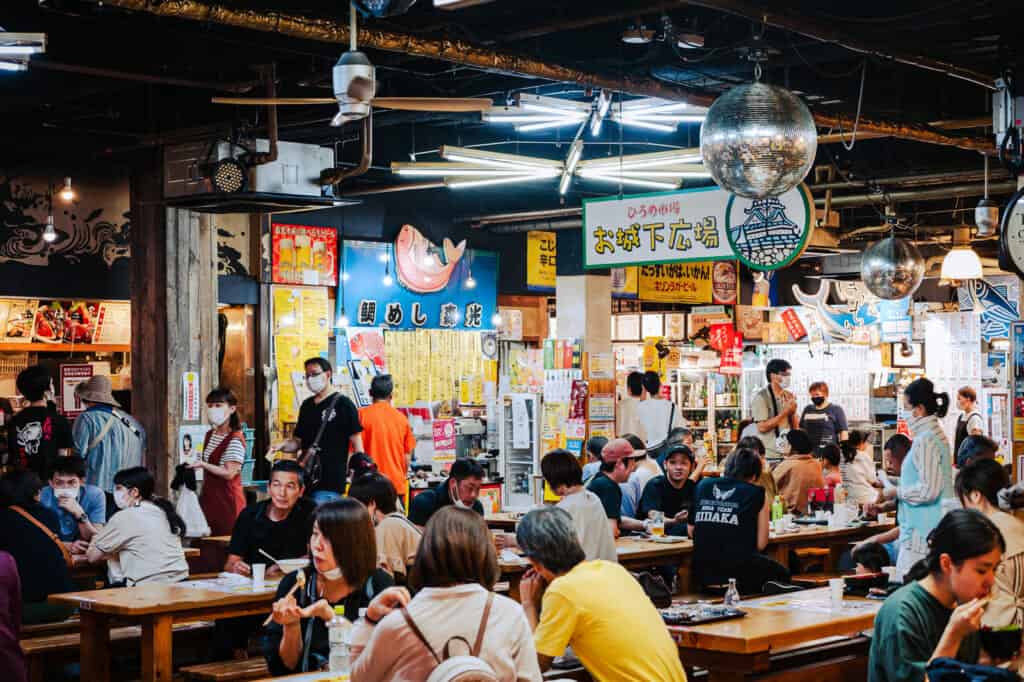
x=81, y=509
x=461, y=488
x=343, y=573
x=387, y=435
x=327, y=428
x=561, y=471
x=105, y=436
x=38, y=434
x=824, y=422
x=626, y=418
x=672, y=492
x=222, y=498
x=797, y=473
x=398, y=538
x=596, y=607
x=970, y=421
x=773, y=407
x=939, y=612
x=657, y=415
x=618, y=460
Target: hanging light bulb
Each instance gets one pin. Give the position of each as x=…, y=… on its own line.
x=344, y=277
x=342, y=322
x=49, y=232
x=961, y=263
x=67, y=194
x=496, y=319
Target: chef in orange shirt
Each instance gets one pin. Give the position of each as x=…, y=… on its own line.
x=387, y=435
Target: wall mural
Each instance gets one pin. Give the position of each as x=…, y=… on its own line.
x=232, y=243
x=838, y=323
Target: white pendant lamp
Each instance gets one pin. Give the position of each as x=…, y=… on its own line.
x=961, y=263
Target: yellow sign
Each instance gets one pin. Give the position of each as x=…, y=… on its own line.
x=676, y=282
x=300, y=333
x=655, y=354
x=624, y=282
x=540, y=260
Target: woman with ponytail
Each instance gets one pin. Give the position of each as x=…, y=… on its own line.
x=925, y=491
x=222, y=498
x=142, y=541
x=938, y=614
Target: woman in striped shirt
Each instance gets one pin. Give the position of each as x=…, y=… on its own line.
x=222, y=499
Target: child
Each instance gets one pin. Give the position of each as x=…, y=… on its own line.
x=870, y=557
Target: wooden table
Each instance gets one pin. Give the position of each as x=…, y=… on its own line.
x=837, y=541
x=156, y=608
x=505, y=521
x=217, y=540
x=731, y=650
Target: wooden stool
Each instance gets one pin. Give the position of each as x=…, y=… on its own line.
x=249, y=669
x=809, y=559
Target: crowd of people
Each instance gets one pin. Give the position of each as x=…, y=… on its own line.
x=413, y=584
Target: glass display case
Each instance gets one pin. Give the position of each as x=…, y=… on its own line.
x=519, y=451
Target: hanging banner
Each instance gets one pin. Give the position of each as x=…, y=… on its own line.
x=724, y=282
x=190, y=396
x=419, y=296
x=676, y=283
x=540, y=260
x=443, y=431
x=625, y=282
x=732, y=357
x=699, y=224
x=794, y=326
x=301, y=254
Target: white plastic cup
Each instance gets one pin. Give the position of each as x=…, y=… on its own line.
x=883, y=518
x=836, y=586
x=259, y=574
x=891, y=572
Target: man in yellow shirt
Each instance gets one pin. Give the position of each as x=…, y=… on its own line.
x=590, y=605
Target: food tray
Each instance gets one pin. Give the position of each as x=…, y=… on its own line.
x=699, y=614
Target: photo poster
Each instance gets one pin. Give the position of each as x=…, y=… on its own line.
x=190, y=444
x=20, y=320
x=70, y=376
x=301, y=254
x=443, y=431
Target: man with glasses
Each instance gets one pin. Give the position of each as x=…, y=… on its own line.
x=773, y=408
x=329, y=424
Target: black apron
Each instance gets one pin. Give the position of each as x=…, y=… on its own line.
x=820, y=431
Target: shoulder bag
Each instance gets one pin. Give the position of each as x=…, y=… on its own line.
x=312, y=466
x=49, y=533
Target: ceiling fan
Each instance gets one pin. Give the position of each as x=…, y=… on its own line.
x=355, y=85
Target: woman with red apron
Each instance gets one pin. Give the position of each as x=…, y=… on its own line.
x=222, y=499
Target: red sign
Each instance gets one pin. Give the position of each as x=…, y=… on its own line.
x=732, y=357
x=304, y=255
x=902, y=428
x=578, y=400
x=720, y=336
x=793, y=324
x=444, y=439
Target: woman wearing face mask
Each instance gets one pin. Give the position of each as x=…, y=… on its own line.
x=344, y=573
x=222, y=499
x=142, y=541
x=925, y=491
x=824, y=422
x=939, y=612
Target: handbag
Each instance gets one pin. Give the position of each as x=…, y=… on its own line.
x=312, y=467
x=952, y=670
x=49, y=533
x=655, y=588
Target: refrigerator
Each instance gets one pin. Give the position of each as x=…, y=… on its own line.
x=519, y=451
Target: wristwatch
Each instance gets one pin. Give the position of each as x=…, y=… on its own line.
x=83, y=518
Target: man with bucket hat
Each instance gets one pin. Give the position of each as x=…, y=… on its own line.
x=107, y=437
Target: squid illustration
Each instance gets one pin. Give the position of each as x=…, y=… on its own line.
x=423, y=267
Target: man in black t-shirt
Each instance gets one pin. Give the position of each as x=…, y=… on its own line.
x=37, y=435
x=461, y=489
x=341, y=430
x=618, y=461
x=672, y=493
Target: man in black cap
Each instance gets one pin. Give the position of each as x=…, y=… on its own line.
x=671, y=493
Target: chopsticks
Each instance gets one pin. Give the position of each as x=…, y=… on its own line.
x=300, y=582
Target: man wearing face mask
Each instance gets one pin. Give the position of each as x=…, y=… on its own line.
x=823, y=421
x=462, y=489
x=327, y=428
x=773, y=408
x=81, y=509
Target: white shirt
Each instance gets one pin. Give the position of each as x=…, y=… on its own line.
x=653, y=415
x=591, y=525
x=235, y=451
x=145, y=549
x=858, y=477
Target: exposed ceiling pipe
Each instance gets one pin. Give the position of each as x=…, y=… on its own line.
x=335, y=176
x=521, y=216
x=959, y=124
x=117, y=74
x=547, y=226
x=269, y=156
x=469, y=54
x=590, y=20
x=827, y=34
x=922, y=179
x=388, y=189
x=947, y=192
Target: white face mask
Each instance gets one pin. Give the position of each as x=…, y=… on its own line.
x=217, y=415
x=316, y=383
x=65, y=492
x=333, y=574
x=457, y=501
x=784, y=382
x=121, y=499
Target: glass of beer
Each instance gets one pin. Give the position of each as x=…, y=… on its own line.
x=657, y=524
x=286, y=259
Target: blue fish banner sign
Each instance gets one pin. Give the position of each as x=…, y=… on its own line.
x=995, y=299
x=702, y=224
x=413, y=284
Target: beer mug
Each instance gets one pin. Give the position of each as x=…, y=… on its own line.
x=286, y=258
x=657, y=523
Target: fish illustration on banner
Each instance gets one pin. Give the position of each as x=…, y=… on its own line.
x=837, y=324
x=998, y=313
x=423, y=267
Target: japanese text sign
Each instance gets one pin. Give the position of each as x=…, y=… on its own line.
x=540, y=260
x=676, y=282
x=303, y=255
x=793, y=324
x=444, y=439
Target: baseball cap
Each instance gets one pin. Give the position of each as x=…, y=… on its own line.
x=616, y=449
x=675, y=449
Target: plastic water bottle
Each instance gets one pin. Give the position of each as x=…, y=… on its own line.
x=732, y=595
x=778, y=509
x=338, y=634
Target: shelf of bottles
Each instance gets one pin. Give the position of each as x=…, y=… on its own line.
x=727, y=412
x=710, y=403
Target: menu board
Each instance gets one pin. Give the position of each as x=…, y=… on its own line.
x=300, y=333
x=65, y=321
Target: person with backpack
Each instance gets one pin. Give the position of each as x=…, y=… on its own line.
x=597, y=607
x=456, y=625
x=344, y=573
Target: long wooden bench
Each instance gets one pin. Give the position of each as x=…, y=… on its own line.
x=63, y=647
x=42, y=629
x=225, y=671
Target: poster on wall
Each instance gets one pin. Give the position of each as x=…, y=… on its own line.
x=443, y=431
x=411, y=286
x=724, y=282
x=699, y=224
x=676, y=283
x=21, y=316
x=301, y=254
x=300, y=332
x=114, y=323
x=996, y=298
x=540, y=260
x=625, y=282
x=70, y=377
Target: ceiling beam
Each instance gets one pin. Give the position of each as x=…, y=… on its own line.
x=462, y=52
x=589, y=20
x=790, y=21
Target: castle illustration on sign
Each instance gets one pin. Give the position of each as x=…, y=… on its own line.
x=767, y=237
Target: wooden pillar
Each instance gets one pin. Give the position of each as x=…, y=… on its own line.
x=174, y=312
